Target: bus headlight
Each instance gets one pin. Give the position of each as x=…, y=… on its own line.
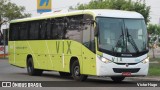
x=145, y=60
x=104, y=60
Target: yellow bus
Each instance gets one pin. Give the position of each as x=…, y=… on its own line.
x=98, y=42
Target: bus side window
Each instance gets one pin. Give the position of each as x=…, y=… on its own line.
x=23, y=31
x=48, y=29
x=53, y=29
x=14, y=35
x=11, y=32
x=74, y=30
x=31, y=31
x=57, y=28
x=43, y=30
x=60, y=28
x=34, y=31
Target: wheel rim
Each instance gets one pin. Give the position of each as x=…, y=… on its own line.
x=29, y=67
x=76, y=71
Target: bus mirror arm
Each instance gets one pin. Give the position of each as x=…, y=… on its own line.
x=91, y=22
x=96, y=29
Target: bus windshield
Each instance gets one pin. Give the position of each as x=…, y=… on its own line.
x=122, y=35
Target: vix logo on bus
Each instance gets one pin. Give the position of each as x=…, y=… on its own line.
x=43, y=6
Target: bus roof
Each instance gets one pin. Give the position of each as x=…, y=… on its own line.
x=94, y=12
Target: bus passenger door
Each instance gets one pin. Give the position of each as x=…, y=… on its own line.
x=89, y=62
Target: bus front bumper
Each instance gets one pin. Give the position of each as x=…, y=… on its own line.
x=113, y=69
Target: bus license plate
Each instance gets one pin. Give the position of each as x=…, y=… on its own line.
x=126, y=73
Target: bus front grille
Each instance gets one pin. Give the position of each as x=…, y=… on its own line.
x=121, y=70
x=126, y=63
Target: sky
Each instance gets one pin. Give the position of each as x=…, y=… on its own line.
x=31, y=6
x=155, y=11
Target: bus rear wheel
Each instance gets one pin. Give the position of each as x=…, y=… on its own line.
x=30, y=68
x=117, y=79
x=76, y=72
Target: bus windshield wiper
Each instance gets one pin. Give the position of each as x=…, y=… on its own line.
x=118, y=44
x=131, y=40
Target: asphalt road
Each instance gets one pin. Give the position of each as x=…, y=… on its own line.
x=11, y=73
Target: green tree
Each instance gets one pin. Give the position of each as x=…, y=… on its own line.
x=153, y=29
x=10, y=11
x=154, y=32
x=128, y=5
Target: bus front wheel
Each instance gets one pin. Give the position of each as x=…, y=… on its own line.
x=30, y=68
x=76, y=72
x=117, y=79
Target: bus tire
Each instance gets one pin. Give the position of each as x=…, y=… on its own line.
x=30, y=68
x=118, y=79
x=75, y=70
